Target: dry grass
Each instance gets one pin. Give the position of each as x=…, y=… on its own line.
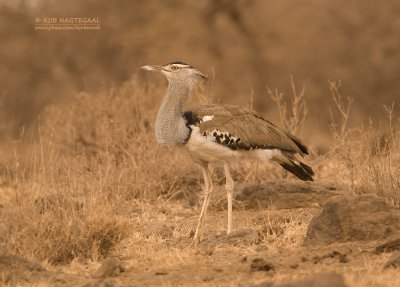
x=366, y=158
x=91, y=180
x=74, y=187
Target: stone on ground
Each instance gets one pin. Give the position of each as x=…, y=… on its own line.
x=164, y=229
x=358, y=218
x=394, y=261
x=318, y=280
x=110, y=267
x=284, y=194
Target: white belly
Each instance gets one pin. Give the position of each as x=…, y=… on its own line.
x=205, y=148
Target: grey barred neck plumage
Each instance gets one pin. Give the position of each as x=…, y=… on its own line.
x=220, y=133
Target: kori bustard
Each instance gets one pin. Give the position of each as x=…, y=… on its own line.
x=220, y=133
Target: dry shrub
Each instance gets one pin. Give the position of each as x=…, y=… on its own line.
x=57, y=226
x=112, y=134
x=365, y=159
x=343, y=107
x=291, y=120
x=92, y=162
x=279, y=230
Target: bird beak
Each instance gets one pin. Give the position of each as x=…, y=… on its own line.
x=204, y=77
x=152, y=68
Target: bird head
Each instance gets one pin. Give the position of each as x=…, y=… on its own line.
x=177, y=71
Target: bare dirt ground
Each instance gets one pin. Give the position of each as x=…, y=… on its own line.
x=267, y=247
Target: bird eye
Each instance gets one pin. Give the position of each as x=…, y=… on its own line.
x=174, y=68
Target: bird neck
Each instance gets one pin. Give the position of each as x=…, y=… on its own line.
x=170, y=125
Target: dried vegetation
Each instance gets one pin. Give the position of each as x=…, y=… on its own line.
x=76, y=187
x=86, y=179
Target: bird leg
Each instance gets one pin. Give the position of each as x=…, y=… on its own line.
x=208, y=190
x=229, y=190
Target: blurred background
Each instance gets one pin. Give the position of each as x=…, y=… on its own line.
x=244, y=47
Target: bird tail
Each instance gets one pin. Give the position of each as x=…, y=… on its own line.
x=300, y=145
x=299, y=169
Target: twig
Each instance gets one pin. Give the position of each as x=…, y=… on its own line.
x=343, y=106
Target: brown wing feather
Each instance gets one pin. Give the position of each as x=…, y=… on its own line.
x=247, y=125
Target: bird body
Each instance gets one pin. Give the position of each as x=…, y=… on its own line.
x=221, y=133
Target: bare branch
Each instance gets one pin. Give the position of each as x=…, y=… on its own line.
x=343, y=106
x=294, y=121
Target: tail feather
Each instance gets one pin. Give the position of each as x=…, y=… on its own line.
x=308, y=169
x=289, y=162
x=299, y=144
x=300, y=170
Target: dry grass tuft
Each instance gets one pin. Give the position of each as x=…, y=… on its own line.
x=365, y=159
x=283, y=231
x=58, y=226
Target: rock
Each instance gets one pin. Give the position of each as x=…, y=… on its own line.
x=246, y=236
x=319, y=280
x=259, y=264
x=160, y=228
x=359, y=218
x=394, y=261
x=284, y=194
x=342, y=257
x=107, y=282
x=110, y=267
x=389, y=246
